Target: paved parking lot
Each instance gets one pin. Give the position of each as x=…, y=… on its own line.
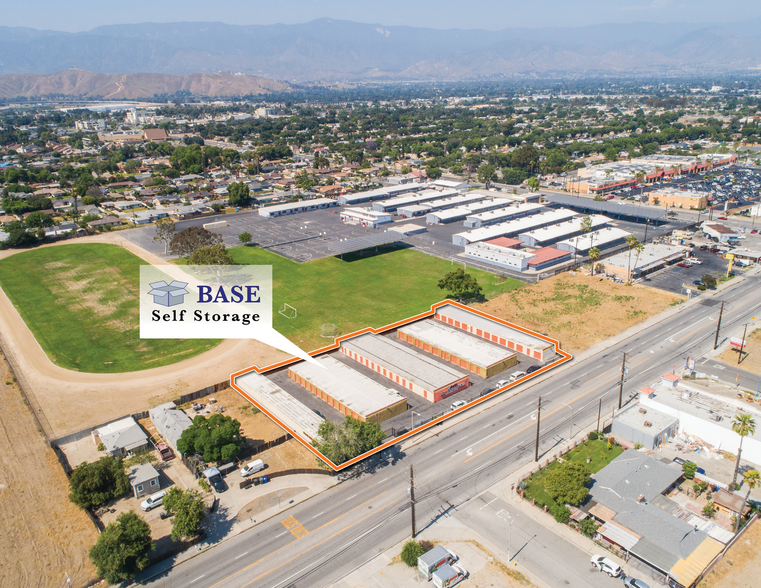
x=423, y=409
x=301, y=237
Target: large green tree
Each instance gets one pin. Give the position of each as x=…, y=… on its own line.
x=38, y=219
x=188, y=509
x=487, y=173
x=460, y=283
x=122, y=548
x=188, y=240
x=238, y=194
x=567, y=483
x=94, y=484
x=216, y=438
x=341, y=442
x=165, y=228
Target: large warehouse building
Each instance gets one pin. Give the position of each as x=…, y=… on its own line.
x=496, y=332
x=461, y=212
x=513, y=227
x=421, y=197
x=298, y=417
x=296, y=207
x=469, y=353
x=607, y=237
x=547, y=236
x=367, y=217
x=348, y=391
x=415, y=371
x=506, y=257
x=501, y=215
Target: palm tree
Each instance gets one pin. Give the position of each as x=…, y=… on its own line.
x=631, y=242
x=743, y=425
x=594, y=255
x=752, y=479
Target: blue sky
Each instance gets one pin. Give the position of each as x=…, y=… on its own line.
x=82, y=15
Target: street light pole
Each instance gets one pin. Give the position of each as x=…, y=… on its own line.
x=412, y=500
x=412, y=418
x=742, y=344
x=538, y=417
x=718, y=326
x=510, y=537
x=621, y=384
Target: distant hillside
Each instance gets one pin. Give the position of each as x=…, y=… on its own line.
x=334, y=50
x=87, y=84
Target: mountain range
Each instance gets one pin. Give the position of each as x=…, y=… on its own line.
x=328, y=50
x=88, y=84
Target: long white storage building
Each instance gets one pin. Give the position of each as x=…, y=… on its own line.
x=296, y=207
x=513, y=227
x=501, y=215
x=416, y=198
x=440, y=204
x=607, y=237
x=505, y=257
x=546, y=236
x=348, y=391
x=298, y=417
x=409, y=368
x=461, y=212
x=499, y=334
x=367, y=217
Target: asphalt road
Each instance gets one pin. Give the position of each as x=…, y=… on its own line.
x=319, y=541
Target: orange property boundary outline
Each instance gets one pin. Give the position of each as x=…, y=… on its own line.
x=564, y=357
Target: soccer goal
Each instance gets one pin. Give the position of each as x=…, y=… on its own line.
x=288, y=311
x=329, y=331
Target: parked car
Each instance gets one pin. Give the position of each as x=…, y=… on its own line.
x=218, y=483
x=532, y=368
x=517, y=375
x=630, y=582
x=678, y=460
x=457, y=404
x=606, y=565
x=722, y=218
x=698, y=283
x=153, y=501
x=252, y=467
x=501, y=383
x=164, y=451
x=693, y=261
x=683, y=264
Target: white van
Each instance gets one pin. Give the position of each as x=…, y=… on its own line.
x=153, y=501
x=516, y=376
x=252, y=468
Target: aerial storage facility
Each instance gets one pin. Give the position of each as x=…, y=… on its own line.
x=407, y=367
x=348, y=391
x=479, y=357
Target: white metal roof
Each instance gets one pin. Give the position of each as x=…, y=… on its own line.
x=404, y=361
x=493, y=327
x=454, y=341
x=293, y=413
x=516, y=226
x=507, y=212
x=554, y=232
x=352, y=389
x=506, y=251
x=653, y=254
x=296, y=205
x=593, y=239
x=366, y=213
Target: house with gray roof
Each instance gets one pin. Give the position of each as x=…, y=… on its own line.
x=121, y=437
x=170, y=422
x=144, y=479
x=627, y=496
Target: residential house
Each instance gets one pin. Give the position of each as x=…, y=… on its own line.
x=170, y=422
x=121, y=437
x=144, y=479
x=108, y=221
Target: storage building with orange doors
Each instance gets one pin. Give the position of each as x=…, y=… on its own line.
x=348, y=391
x=469, y=353
x=495, y=332
x=418, y=372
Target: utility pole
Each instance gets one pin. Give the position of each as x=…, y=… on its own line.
x=412, y=500
x=742, y=345
x=538, y=417
x=718, y=326
x=621, y=384
x=599, y=413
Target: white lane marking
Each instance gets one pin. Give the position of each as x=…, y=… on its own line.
x=383, y=480
x=241, y=555
x=439, y=451
x=281, y=534
x=466, y=436
x=350, y=497
x=704, y=361
x=718, y=367
x=318, y=514
x=198, y=578
x=488, y=503
x=692, y=325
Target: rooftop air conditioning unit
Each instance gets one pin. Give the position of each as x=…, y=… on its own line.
x=643, y=411
x=648, y=424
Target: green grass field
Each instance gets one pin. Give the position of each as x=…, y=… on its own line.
x=357, y=292
x=600, y=454
x=80, y=302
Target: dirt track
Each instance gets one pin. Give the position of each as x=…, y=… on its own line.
x=72, y=401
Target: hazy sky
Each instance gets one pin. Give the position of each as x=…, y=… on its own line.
x=82, y=15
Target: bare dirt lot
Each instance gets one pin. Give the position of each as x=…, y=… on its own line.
x=578, y=310
x=741, y=566
x=44, y=535
x=751, y=359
